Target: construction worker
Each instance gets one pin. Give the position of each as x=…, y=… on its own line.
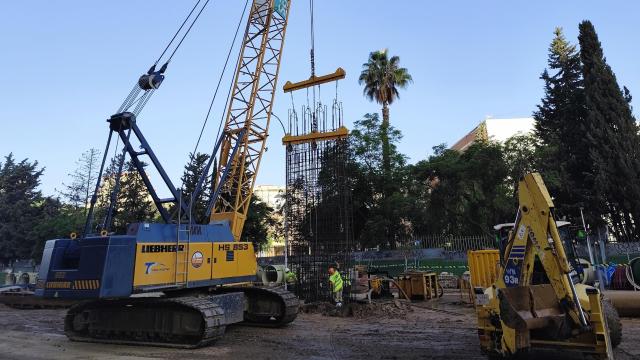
x=335, y=280
x=290, y=277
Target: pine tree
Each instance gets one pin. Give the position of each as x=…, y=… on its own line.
x=560, y=128
x=134, y=200
x=78, y=192
x=614, y=143
x=104, y=200
x=192, y=172
x=20, y=207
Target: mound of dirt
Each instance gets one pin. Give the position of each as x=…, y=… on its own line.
x=382, y=309
x=377, y=309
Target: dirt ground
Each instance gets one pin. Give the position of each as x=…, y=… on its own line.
x=440, y=329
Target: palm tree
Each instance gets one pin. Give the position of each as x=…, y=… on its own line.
x=382, y=77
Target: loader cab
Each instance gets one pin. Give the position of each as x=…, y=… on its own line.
x=569, y=235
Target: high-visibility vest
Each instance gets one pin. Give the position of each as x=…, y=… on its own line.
x=336, y=281
x=290, y=277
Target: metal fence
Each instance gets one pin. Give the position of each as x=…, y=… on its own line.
x=456, y=243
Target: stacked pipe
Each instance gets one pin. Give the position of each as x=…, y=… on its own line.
x=624, y=285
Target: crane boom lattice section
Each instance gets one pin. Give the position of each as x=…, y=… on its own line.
x=250, y=110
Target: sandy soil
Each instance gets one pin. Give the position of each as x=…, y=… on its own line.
x=437, y=330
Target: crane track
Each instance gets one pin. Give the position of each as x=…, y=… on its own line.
x=187, y=321
x=26, y=300
x=282, y=308
x=147, y=321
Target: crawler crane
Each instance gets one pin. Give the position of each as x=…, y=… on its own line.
x=179, y=283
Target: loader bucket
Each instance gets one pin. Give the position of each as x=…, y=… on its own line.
x=530, y=307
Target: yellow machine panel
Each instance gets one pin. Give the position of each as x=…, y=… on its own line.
x=199, y=261
x=156, y=262
x=233, y=259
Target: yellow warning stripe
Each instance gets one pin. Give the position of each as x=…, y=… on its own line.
x=77, y=285
x=86, y=284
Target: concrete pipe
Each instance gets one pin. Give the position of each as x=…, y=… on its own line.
x=627, y=302
x=273, y=274
x=633, y=273
x=588, y=272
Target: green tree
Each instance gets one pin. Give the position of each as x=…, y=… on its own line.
x=192, y=172
x=57, y=220
x=134, y=200
x=382, y=77
x=260, y=221
x=612, y=138
x=466, y=193
x=521, y=157
x=20, y=207
x=77, y=193
x=131, y=200
x=560, y=127
x=378, y=219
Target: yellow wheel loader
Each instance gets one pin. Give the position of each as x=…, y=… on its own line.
x=535, y=302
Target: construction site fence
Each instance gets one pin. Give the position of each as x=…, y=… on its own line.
x=448, y=243
x=454, y=248
x=615, y=251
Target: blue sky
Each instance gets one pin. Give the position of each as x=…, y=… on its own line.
x=65, y=67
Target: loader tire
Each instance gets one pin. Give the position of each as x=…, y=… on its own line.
x=613, y=321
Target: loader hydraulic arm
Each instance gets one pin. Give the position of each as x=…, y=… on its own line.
x=533, y=303
x=536, y=234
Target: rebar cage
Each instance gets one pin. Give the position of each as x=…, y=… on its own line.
x=318, y=199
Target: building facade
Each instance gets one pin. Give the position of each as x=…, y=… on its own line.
x=495, y=130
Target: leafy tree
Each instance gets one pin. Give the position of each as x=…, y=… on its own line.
x=377, y=218
x=467, y=193
x=382, y=77
x=57, y=220
x=612, y=139
x=521, y=157
x=257, y=227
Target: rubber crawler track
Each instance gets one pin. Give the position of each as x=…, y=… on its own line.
x=283, y=306
x=21, y=300
x=211, y=330
x=288, y=307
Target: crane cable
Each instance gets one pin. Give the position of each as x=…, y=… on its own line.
x=140, y=101
x=312, y=53
x=177, y=32
x=215, y=94
x=188, y=30
x=313, y=40
x=222, y=114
